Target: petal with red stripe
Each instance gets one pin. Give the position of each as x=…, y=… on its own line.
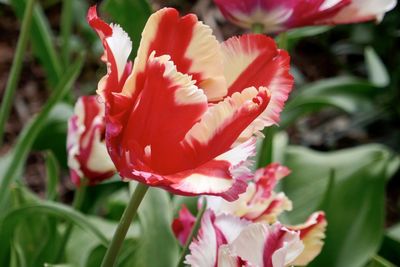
x=254, y=60
x=191, y=46
x=312, y=233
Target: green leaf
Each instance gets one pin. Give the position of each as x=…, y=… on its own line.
x=42, y=40
x=351, y=95
x=155, y=216
x=378, y=261
x=377, y=72
x=391, y=245
x=131, y=15
x=9, y=221
x=84, y=247
x=31, y=131
x=52, y=172
x=354, y=203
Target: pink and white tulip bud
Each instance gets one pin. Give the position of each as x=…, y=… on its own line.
x=277, y=16
x=87, y=153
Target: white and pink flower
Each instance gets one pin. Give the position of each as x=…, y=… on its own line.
x=183, y=117
x=277, y=16
x=87, y=153
x=225, y=240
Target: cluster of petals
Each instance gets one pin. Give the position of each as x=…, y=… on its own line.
x=87, y=153
x=246, y=232
x=185, y=114
x=277, y=16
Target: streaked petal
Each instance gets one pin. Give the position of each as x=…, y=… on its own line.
x=254, y=60
x=222, y=124
x=267, y=245
x=362, y=10
x=87, y=152
x=167, y=106
x=117, y=48
x=191, y=46
x=214, y=232
x=224, y=176
x=312, y=233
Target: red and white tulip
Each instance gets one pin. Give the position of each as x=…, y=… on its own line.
x=184, y=115
x=259, y=202
x=225, y=240
x=87, y=153
x=277, y=16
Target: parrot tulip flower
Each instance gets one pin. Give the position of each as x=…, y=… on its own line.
x=87, y=153
x=259, y=202
x=225, y=240
x=277, y=16
x=184, y=115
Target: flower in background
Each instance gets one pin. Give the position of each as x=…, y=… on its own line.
x=277, y=16
x=259, y=205
x=87, y=152
x=184, y=116
x=259, y=202
x=225, y=240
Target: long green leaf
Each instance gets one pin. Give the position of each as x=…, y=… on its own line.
x=52, y=172
x=43, y=41
x=354, y=203
x=377, y=71
x=12, y=218
x=29, y=134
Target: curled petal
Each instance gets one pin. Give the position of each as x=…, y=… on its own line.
x=267, y=245
x=312, y=233
x=254, y=60
x=362, y=10
x=191, y=46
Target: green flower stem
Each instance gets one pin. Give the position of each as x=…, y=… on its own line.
x=267, y=150
x=283, y=41
x=192, y=233
x=16, y=67
x=66, y=27
x=79, y=197
x=257, y=28
x=119, y=236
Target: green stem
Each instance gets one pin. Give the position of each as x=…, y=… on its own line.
x=192, y=233
x=119, y=236
x=283, y=41
x=66, y=27
x=31, y=131
x=16, y=67
x=267, y=148
x=257, y=28
x=77, y=205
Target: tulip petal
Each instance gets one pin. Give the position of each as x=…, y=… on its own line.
x=215, y=231
x=182, y=226
x=224, y=176
x=254, y=60
x=87, y=152
x=222, y=124
x=170, y=104
x=267, y=245
x=191, y=46
x=117, y=48
x=361, y=10
x=312, y=233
